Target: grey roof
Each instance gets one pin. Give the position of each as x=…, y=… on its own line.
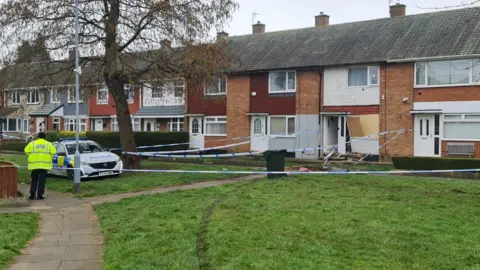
x=446, y=33
x=46, y=110
x=161, y=111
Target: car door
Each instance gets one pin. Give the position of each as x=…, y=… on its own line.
x=61, y=156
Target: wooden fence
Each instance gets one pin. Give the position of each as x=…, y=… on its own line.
x=8, y=180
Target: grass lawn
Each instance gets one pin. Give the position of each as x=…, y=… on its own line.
x=15, y=231
x=129, y=182
x=303, y=222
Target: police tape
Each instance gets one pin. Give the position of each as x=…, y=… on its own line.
x=197, y=150
x=294, y=150
x=219, y=140
x=339, y=172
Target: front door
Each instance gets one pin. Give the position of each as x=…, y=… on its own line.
x=41, y=124
x=196, y=135
x=98, y=126
x=258, y=139
x=149, y=125
x=424, y=135
x=342, y=135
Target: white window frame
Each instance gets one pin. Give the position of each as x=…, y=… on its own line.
x=135, y=121
x=206, y=93
x=182, y=85
x=129, y=89
x=16, y=98
x=31, y=94
x=114, y=124
x=54, y=93
x=56, y=120
x=177, y=121
x=217, y=120
x=462, y=119
x=102, y=102
x=156, y=87
x=286, y=135
x=287, y=90
x=473, y=62
x=71, y=95
x=72, y=121
x=369, y=82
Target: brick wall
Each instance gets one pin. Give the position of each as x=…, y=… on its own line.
x=461, y=93
x=396, y=83
x=475, y=155
x=354, y=110
x=308, y=92
x=163, y=124
x=211, y=141
x=238, y=99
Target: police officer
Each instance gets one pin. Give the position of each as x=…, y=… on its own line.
x=40, y=153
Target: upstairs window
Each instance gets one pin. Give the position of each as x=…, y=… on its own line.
x=71, y=96
x=54, y=96
x=102, y=96
x=218, y=86
x=179, y=88
x=363, y=76
x=447, y=73
x=129, y=93
x=157, y=91
x=33, y=97
x=282, y=81
x=15, y=98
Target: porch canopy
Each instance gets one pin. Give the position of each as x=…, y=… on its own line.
x=161, y=112
x=446, y=107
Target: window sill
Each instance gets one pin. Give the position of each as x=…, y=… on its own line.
x=215, y=135
x=283, y=92
x=363, y=86
x=215, y=95
x=102, y=103
x=445, y=86
x=460, y=140
x=282, y=136
x=35, y=103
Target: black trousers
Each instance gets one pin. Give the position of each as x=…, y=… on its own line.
x=39, y=178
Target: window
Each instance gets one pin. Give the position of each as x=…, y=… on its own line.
x=114, y=124
x=195, y=126
x=218, y=86
x=176, y=124
x=84, y=148
x=257, y=127
x=15, y=98
x=157, y=91
x=33, y=97
x=54, y=96
x=461, y=127
x=71, y=96
x=25, y=126
x=179, y=88
x=61, y=150
x=12, y=125
x=136, y=124
x=102, y=96
x=363, y=76
x=70, y=124
x=216, y=126
x=282, y=81
x=129, y=93
x=444, y=73
x=15, y=125
x=282, y=125
x=56, y=124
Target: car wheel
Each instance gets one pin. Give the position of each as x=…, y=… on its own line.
x=70, y=173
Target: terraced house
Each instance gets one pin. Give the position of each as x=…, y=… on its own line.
x=328, y=84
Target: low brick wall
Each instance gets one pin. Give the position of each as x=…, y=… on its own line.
x=8, y=180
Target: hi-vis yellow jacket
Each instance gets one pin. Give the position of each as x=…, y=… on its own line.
x=40, y=154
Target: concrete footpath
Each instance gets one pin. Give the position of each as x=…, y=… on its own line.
x=69, y=236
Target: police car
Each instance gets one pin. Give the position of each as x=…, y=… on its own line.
x=95, y=161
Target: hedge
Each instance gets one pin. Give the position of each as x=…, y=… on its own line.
x=433, y=163
x=112, y=139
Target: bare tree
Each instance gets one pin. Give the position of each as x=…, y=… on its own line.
x=124, y=38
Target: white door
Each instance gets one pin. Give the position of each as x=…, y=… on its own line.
x=149, y=125
x=41, y=124
x=197, y=140
x=342, y=135
x=98, y=126
x=259, y=138
x=424, y=135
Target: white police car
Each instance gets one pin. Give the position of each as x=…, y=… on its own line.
x=95, y=161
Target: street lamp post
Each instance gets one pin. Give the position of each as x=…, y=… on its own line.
x=76, y=172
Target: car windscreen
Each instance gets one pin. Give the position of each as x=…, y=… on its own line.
x=84, y=148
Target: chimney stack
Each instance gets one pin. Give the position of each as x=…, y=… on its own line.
x=166, y=43
x=222, y=36
x=322, y=20
x=397, y=10
x=258, y=28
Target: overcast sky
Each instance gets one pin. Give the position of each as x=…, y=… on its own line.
x=292, y=14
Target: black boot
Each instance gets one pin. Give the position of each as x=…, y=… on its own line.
x=32, y=197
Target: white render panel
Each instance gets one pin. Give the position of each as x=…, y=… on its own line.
x=168, y=99
x=365, y=146
x=449, y=106
x=337, y=92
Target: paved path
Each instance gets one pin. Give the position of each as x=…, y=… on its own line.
x=69, y=237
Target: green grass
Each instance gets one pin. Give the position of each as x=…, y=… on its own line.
x=304, y=222
x=129, y=182
x=15, y=231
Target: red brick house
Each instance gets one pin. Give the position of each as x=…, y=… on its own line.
x=328, y=84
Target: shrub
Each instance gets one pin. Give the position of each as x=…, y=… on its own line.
x=13, y=146
x=112, y=139
x=433, y=163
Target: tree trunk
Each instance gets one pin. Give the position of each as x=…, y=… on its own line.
x=127, y=137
